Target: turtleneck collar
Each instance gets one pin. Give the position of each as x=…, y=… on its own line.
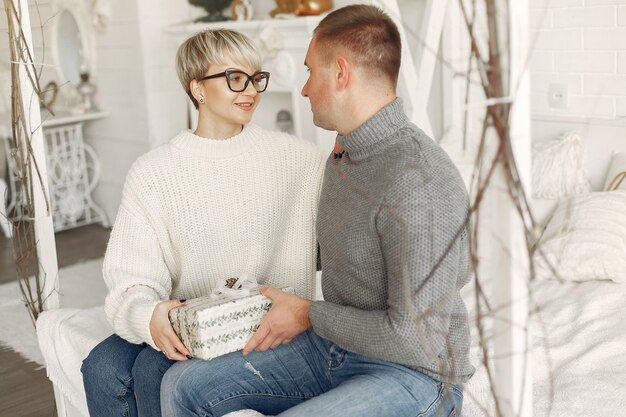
x=372, y=135
x=209, y=148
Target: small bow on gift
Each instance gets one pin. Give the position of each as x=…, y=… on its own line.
x=236, y=287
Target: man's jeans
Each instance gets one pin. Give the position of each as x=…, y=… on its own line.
x=123, y=379
x=308, y=377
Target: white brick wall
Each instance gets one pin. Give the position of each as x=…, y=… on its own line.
x=541, y=4
x=539, y=82
x=581, y=43
x=542, y=61
x=604, y=85
x=621, y=16
x=603, y=2
x=584, y=17
x=559, y=39
x=621, y=107
x=605, y=38
x=621, y=62
x=584, y=62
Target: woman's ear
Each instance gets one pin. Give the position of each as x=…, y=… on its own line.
x=196, y=90
x=342, y=72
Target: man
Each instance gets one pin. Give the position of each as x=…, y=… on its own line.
x=391, y=337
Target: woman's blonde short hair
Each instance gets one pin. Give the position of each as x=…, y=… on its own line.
x=213, y=47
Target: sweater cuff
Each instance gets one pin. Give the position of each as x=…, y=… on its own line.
x=140, y=323
x=323, y=315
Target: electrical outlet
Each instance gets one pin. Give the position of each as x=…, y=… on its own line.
x=558, y=96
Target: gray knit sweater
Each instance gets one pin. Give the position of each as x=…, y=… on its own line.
x=391, y=267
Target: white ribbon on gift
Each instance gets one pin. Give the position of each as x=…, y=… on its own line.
x=241, y=288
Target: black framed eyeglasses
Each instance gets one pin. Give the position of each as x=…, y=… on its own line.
x=238, y=80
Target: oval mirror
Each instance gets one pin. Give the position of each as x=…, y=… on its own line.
x=70, y=49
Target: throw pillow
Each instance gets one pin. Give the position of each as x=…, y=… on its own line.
x=559, y=167
x=585, y=239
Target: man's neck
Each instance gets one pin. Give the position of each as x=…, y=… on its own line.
x=363, y=109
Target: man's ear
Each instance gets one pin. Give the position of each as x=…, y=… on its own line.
x=342, y=73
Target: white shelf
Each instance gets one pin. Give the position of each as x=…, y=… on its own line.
x=287, y=24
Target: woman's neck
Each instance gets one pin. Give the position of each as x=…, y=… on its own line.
x=217, y=131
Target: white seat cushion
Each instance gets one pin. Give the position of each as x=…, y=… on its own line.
x=66, y=336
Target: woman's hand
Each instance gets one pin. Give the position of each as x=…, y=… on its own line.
x=163, y=334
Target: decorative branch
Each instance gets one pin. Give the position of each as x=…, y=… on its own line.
x=27, y=170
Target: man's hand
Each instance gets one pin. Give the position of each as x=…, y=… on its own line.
x=163, y=334
x=288, y=317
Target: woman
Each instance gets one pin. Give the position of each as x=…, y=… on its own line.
x=227, y=199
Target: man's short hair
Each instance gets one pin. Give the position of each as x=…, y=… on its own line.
x=213, y=47
x=365, y=34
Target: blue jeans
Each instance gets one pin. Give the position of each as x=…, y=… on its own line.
x=123, y=379
x=308, y=377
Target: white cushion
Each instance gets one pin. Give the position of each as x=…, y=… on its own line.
x=618, y=166
x=66, y=336
x=559, y=167
x=586, y=239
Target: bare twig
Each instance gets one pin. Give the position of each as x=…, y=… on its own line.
x=27, y=172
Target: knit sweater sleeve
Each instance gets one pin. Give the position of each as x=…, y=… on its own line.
x=416, y=224
x=134, y=268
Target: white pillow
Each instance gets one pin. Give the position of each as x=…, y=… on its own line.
x=617, y=167
x=559, y=167
x=585, y=239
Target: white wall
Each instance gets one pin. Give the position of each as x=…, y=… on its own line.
x=123, y=136
x=581, y=44
x=138, y=86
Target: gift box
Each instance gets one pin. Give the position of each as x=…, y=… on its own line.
x=222, y=322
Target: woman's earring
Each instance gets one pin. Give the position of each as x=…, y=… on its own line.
x=201, y=99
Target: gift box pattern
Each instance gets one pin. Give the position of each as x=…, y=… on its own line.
x=212, y=327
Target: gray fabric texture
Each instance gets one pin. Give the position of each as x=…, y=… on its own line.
x=393, y=233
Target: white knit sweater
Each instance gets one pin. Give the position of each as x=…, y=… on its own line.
x=196, y=211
